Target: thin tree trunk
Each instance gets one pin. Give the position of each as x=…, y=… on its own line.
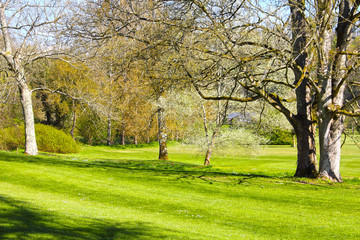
x=210, y=147
x=123, y=134
x=163, y=153
x=205, y=121
x=123, y=137
x=73, y=122
x=108, y=139
x=47, y=110
x=135, y=140
x=150, y=126
x=26, y=103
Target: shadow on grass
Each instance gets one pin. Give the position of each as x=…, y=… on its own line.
x=179, y=170
x=19, y=220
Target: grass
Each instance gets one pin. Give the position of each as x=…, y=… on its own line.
x=114, y=193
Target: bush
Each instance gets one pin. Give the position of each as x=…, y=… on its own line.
x=280, y=137
x=49, y=139
x=11, y=138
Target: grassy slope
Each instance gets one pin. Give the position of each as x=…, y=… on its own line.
x=108, y=193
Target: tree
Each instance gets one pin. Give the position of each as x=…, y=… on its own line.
x=233, y=42
x=334, y=65
x=63, y=91
x=220, y=120
x=294, y=55
x=22, y=28
x=275, y=52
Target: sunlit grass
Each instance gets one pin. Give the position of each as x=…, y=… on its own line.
x=111, y=193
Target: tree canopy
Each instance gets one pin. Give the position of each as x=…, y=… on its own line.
x=119, y=65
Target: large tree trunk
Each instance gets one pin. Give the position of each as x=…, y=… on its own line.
x=330, y=130
x=306, y=151
x=163, y=153
x=332, y=94
x=26, y=103
x=305, y=131
x=302, y=122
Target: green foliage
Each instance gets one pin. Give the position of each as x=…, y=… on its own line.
x=49, y=139
x=279, y=137
x=234, y=136
x=90, y=129
x=11, y=138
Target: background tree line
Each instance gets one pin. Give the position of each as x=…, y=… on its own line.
x=137, y=71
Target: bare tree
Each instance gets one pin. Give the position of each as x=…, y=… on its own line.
x=280, y=52
x=27, y=36
x=335, y=64
x=277, y=51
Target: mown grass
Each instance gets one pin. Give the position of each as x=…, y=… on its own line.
x=112, y=193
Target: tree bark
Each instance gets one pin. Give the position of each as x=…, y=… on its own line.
x=163, y=153
x=306, y=151
x=47, y=109
x=73, y=121
x=330, y=130
x=123, y=137
x=108, y=139
x=305, y=131
x=333, y=86
x=26, y=103
x=303, y=122
x=15, y=62
x=210, y=147
x=123, y=132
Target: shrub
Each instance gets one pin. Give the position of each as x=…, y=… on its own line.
x=49, y=139
x=11, y=138
x=280, y=137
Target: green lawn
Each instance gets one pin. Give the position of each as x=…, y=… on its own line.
x=112, y=193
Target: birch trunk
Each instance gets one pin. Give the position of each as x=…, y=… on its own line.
x=26, y=103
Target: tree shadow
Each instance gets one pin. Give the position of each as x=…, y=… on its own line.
x=180, y=171
x=19, y=220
